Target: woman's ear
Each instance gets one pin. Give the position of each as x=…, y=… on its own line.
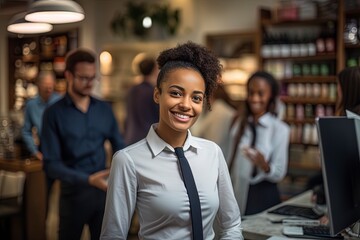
x=156, y=95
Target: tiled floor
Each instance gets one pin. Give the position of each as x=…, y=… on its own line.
x=53, y=219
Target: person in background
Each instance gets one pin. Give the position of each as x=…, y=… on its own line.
x=348, y=91
x=74, y=131
x=141, y=109
x=214, y=125
x=147, y=176
x=260, y=140
x=34, y=110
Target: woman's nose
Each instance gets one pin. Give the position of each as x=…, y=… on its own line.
x=185, y=103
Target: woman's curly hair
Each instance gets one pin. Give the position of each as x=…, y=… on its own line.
x=194, y=56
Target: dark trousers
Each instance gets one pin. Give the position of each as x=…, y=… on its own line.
x=80, y=205
x=262, y=196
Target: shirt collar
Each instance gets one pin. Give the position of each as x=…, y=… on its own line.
x=39, y=100
x=157, y=145
x=69, y=101
x=264, y=120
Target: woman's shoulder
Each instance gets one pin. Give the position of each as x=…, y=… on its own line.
x=278, y=123
x=206, y=144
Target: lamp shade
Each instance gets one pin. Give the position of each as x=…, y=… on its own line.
x=55, y=11
x=18, y=24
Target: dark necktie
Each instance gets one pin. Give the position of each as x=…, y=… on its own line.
x=253, y=130
x=195, y=208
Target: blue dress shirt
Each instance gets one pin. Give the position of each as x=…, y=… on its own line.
x=34, y=110
x=72, y=141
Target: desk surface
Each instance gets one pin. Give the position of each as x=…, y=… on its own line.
x=35, y=195
x=259, y=226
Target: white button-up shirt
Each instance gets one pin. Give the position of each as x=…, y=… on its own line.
x=146, y=176
x=273, y=142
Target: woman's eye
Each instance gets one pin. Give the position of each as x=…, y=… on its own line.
x=175, y=93
x=197, y=98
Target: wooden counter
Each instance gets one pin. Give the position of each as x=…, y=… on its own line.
x=34, y=195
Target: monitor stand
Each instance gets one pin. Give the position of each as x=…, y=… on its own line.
x=354, y=231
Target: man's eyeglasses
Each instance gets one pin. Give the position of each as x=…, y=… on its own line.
x=85, y=79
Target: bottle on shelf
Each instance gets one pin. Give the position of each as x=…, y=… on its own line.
x=295, y=46
x=320, y=43
x=266, y=46
x=311, y=45
x=330, y=37
x=285, y=45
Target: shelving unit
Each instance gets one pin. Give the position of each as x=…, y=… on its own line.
x=352, y=50
x=307, y=79
x=29, y=55
x=236, y=50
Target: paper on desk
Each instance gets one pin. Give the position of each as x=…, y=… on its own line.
x=351, y=114
x=277, y=238
x=285, y=238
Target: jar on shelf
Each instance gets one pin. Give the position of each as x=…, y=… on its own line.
x=300, y=112
x=308, y=90
x=332, y=92
x=315, y=69
x=324, y=69
x=309, y=112
x=324, y=90
x=290, y=111
x=314, y=135
x=307, y=134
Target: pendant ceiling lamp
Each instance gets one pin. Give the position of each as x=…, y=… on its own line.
x=18, y=24
x=55, y=11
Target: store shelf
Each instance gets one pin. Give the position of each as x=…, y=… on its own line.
x=306, y=100
x=297, y=121
x=295, y=23
x=320, y=57
x=29, y=55
x=297, y=73
x=310, y=79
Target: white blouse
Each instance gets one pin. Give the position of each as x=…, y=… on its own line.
x=146, y=176
x=272, y=141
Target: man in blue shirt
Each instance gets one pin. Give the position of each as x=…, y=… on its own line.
x=72, y=140
x=35, y=108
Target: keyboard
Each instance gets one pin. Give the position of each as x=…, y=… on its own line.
x=292, y=210
x=321, y=231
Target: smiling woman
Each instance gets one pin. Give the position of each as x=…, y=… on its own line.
x=181, y=100
x=259, y=142
x=173, y=203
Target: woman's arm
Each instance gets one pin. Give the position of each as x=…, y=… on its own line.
x=120, y=198
x=228, y=216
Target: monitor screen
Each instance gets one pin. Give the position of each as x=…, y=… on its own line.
x=341, y=170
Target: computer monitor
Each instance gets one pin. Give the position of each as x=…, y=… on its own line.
x=340, y=159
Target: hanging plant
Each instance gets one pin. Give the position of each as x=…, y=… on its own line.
x=130, y=21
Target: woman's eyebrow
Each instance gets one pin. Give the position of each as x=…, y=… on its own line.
x=183, y=89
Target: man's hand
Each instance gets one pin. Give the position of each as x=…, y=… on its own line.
x=39, y=155
x=99, y=179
